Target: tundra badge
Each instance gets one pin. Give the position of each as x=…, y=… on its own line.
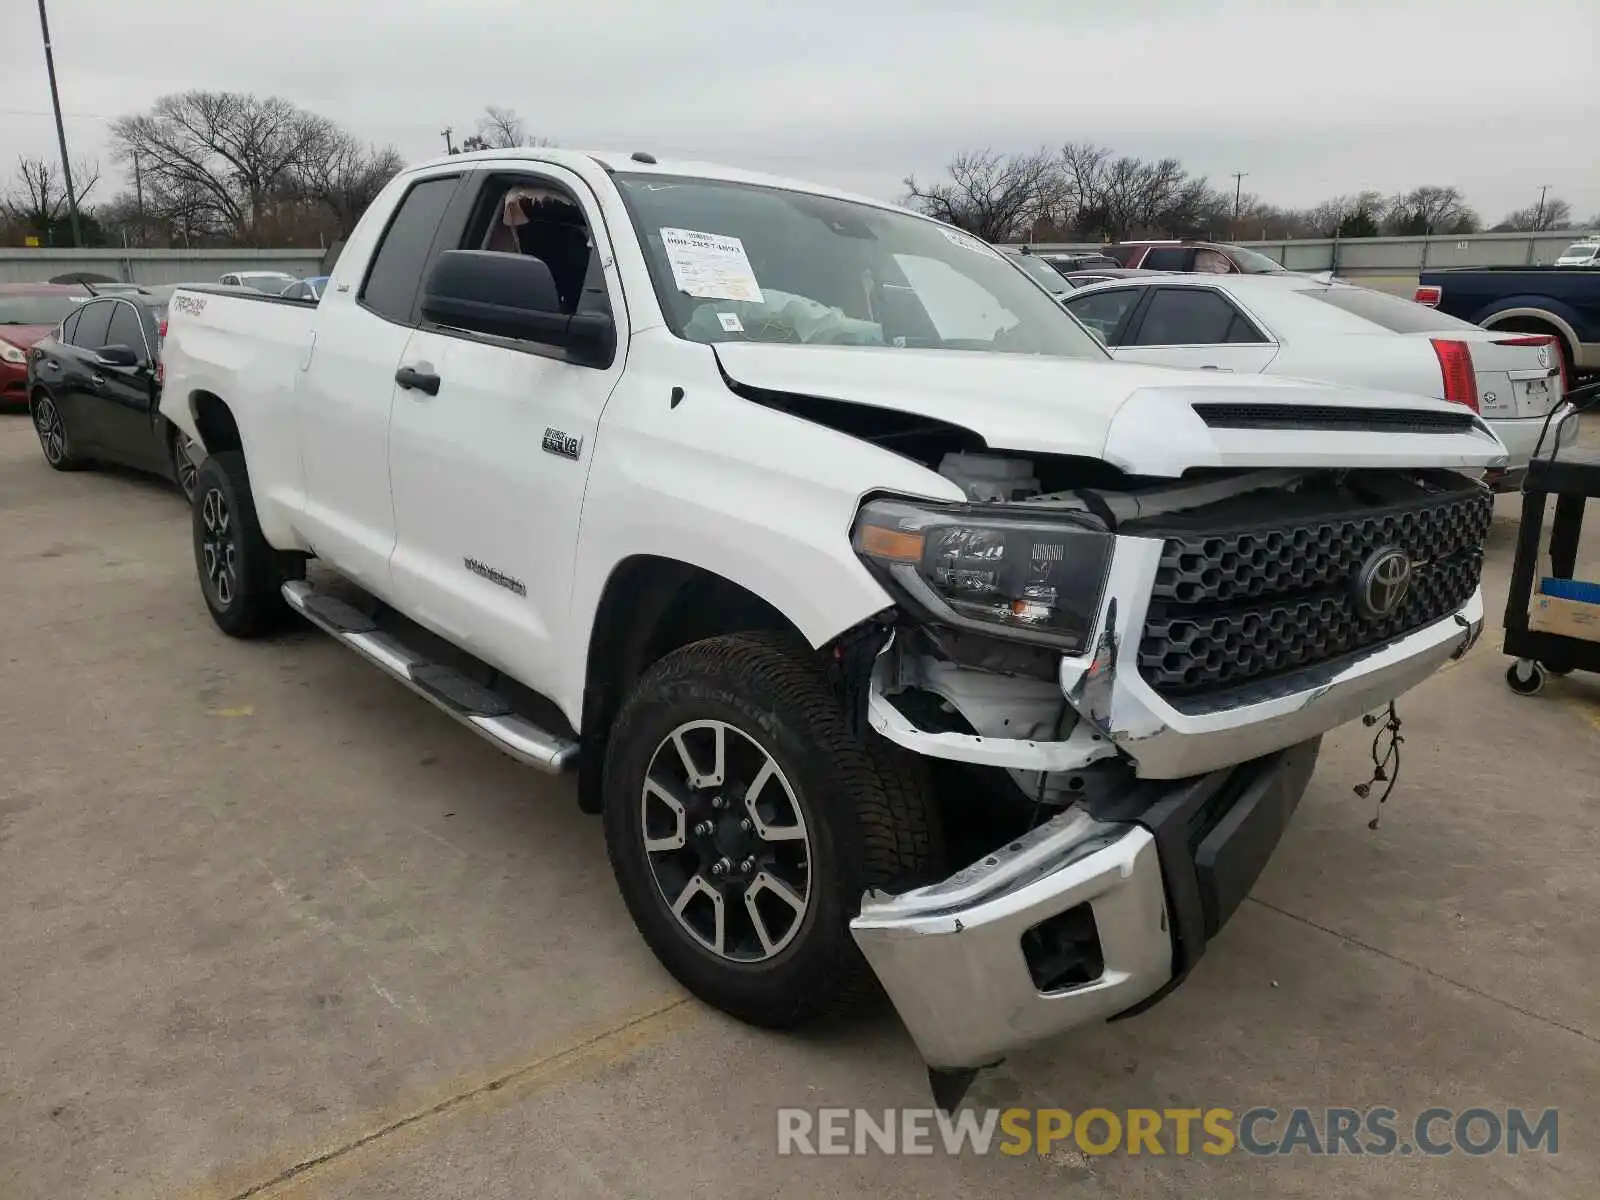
x=564, y=444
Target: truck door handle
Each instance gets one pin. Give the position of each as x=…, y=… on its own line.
x=1214, y=367
x=97, y=380
x=423, y=381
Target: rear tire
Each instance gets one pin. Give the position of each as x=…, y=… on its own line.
x=241, y=576
x=51, y=426
x=185, y=470
x=835, y=817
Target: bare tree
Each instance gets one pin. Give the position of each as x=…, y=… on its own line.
x=38, y=198
x=347, y=176
x=1430, y=209
x=228, y=153
x=501, y=129
x=993, y=196
x=1555, y=214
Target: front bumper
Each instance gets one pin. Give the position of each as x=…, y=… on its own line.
x=1152, y=875
x=13, y=383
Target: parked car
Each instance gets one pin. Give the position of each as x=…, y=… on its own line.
x=1038, y=270
x=1209, y=258
x=1580, y=254
x=270, y=282
x=1562, y=302
x=94, y=390
x=305, y=289
x=1068, y=261
x=864, y=596
x=1084, y=278
x=29, y=311
x=1293, y=326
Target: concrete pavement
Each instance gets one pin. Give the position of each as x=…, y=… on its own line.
x=277, y=928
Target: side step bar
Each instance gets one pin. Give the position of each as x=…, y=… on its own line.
x=485, y=712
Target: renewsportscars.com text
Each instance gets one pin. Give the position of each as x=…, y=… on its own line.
x=1259, y=1131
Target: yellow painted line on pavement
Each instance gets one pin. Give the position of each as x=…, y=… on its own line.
x=246, y=710
x=311, y=1173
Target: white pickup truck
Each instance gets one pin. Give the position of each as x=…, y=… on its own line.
x=896, y=633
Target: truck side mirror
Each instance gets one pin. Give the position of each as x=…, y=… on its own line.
x=512, y=296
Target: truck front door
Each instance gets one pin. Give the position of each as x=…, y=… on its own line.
x=488, y=471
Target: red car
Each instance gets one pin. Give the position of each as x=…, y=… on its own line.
x=28, y=311
x=1215, y=258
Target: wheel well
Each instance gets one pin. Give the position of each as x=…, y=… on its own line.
x=1527, y=324
x=214, y=422
x=650, y=607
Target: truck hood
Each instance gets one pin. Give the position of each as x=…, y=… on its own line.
x=1139, y=418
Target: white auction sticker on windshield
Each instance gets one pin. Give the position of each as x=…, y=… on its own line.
x=730, y=322
x=710, y=265
x=965, y=242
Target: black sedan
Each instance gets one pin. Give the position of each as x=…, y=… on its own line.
x=94, y=390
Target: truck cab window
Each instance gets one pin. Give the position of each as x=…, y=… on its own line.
x=543, y=222
x=396, y=273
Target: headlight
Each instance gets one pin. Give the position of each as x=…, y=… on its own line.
x=1034, y=577
x=12, y=354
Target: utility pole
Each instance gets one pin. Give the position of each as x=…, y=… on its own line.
x=138, y=191
x=61, y=130
x=449, y=146
x=1238, y=183
x=1538, y=220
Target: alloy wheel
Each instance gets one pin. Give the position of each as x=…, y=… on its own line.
x=52, y=432
x=726, y=839
x=217, y=547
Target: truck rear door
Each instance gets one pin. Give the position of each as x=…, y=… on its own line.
x=347, y=388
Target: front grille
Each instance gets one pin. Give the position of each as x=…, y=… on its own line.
x=1327, y=416
x=1234, y=606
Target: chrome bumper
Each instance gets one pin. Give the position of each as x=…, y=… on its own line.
x=1168, y=740
x=1158, y=881
x=950, y=955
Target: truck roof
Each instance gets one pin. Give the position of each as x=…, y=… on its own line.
x=622, y=161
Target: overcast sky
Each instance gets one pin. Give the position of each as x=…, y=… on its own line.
x=1310, y=97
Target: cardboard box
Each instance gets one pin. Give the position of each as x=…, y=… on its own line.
x=1568, y=617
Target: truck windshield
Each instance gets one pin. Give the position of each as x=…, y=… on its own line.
x=742, y=262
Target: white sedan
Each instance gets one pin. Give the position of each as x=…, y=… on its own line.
x=1311, y=328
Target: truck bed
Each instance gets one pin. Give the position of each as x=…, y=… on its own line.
x=248, y=348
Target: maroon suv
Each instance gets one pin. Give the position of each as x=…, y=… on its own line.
x=1213, y=258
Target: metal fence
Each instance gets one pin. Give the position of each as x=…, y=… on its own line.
x=1399, y=255
x=28, y=265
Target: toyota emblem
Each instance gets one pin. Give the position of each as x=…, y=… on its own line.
x=1382, y=583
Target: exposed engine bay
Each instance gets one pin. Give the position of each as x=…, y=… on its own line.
x=1283, y=543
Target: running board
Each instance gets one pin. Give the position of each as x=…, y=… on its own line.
x=483, y=711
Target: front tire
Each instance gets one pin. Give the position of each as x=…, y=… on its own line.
x=51, y=426
x=241, y=576
x=744, y=822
